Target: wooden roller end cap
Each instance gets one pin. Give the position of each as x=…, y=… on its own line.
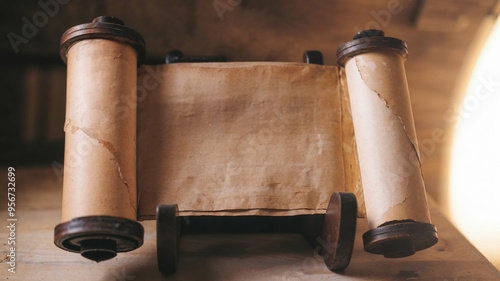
x=99, y=238
x=400, y=239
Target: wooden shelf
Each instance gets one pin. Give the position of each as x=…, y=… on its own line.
x=218, y=257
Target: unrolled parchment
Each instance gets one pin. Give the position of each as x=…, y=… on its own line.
x=387, y=146
x=100, y=128
x=239, y=138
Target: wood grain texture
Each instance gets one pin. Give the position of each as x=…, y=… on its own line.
x=218, y=257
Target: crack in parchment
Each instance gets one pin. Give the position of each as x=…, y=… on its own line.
x=110, y=148
x=120, y=54
x=67, y=123
x=358, y=65
x=390, y=210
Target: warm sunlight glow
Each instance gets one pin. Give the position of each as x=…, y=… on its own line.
x=475, y=168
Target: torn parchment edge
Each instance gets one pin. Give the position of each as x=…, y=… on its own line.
x=387, y=214
x=412, y=142
x=108, y=146
x=243, y=212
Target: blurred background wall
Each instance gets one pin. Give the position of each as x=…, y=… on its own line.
x=445, y=40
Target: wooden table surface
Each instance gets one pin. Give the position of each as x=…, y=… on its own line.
x=214, y=257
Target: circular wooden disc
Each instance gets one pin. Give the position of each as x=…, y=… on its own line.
x=400, y=238
x=103, y=28
x=369, y=41
x=167, y=238
x=99, y=237
x=339, y=230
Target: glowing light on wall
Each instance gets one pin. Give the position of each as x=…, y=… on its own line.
x=475, y=166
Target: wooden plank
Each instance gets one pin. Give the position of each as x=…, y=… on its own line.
x=218, y=257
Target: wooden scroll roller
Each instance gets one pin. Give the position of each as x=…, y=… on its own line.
x=99, y=214
x=391, y=174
